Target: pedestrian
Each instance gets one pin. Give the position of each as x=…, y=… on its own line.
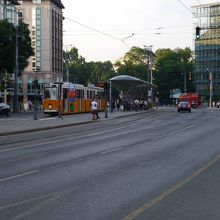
x=30, y=105
x=145, y=105
x=136, y=102
x=94, y=109
x=97, y=112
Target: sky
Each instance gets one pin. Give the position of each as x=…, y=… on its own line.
x=105, y=30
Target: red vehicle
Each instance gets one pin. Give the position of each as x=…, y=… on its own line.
x=192, y=98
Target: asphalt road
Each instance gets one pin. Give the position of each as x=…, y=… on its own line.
x=160, y=165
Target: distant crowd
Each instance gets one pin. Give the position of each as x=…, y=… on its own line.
x=129, y=104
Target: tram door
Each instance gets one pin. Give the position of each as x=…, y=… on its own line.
x=65, y=100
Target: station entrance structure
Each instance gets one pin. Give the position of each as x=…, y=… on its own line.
x=133, y=87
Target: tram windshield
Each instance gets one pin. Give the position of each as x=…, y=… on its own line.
x=51, y=93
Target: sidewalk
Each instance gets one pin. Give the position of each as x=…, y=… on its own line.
x=22, y=123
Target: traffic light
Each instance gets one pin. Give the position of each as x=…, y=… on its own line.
x=190, y=76
x=198, y=32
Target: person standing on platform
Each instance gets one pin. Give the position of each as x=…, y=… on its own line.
x=94, y=109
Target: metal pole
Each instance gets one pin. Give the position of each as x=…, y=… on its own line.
x=35, y=100
x=15, y=100
x=59, y=98
x=185, y=90
x=67, y=72
x=110, y=97
x=106, y=107
x=210, y=89
x=5, y=90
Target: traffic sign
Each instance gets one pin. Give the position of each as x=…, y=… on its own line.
x=72, y=87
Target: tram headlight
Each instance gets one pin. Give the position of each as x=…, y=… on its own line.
x=50, y=106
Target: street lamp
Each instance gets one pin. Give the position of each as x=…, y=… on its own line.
x=35, y=82
x=15, y=100
x=184, y=75
x=150, y=65
x=66, y=60
x=210, y=87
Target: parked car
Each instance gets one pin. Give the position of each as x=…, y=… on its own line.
x=184, y=106
x=5, y=109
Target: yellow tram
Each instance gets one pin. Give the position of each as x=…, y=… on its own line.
x=69, y=98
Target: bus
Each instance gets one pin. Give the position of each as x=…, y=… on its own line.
x=69, y=98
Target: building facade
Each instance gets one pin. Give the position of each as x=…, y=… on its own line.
x=45, y=20
x=8, y=11
x=207, y=50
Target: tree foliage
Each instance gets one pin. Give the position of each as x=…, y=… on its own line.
x=170, y=69
x=135, y=63
x=25, y=49
x=7, y=47
x=8, y=44
x=83, y=72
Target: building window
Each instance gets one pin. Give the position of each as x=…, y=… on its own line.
x=37, y=1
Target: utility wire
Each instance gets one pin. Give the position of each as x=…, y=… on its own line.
x=185, y=6
x=134, y=30
x=93, y=29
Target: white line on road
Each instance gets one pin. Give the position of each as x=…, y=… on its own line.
x=73, y=138
x=19, y=175
x=64, y=139
x=113, y=150
x=173, y=132
x=45, y=119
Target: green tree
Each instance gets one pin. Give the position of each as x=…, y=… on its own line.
x=76, y=66
x=136, y=63
x=100, y=71
x=25, y=49
x=83, y=72
x=170, y=69
x=7, y=46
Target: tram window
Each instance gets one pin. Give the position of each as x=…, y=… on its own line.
x=65, y=94
x=46, y=93
x=98, y=94
x=87, y=97
x=92, y=94
x=82, y=94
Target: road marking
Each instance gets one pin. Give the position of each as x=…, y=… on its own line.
x=110, y=151
x=73, y=138
x=45, y=119
x=174, y=188
x=65, y=139
x=43, y=204
x=173, y=132
x=19, y=175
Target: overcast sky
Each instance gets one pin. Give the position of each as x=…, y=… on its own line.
x=160, y=23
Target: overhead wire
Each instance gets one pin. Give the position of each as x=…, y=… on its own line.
x=185, y=6
x=127, y=37
x=91, y=28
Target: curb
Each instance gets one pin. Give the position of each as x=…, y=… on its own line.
x=62, y=126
